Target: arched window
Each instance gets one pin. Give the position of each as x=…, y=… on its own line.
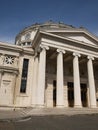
x=27, y=36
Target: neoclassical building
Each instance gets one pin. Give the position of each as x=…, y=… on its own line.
x=50, y=65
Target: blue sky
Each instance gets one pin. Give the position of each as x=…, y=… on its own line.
x=18, y=14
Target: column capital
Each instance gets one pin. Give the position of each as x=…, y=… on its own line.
x=90, y=57
x=76, y=54
x=61, y=50
x=44, y=47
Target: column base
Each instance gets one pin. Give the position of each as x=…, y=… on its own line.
x=40, y=106
x=93, y=106
x=66, y=104
x=78, y=106
x=59, y=106
x=33, y=105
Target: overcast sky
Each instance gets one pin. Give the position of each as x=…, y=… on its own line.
x=15, y=15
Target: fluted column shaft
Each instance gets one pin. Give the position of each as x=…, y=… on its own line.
x=76, y=76
x=91, y=82
x=60, y=85
x=41, y=76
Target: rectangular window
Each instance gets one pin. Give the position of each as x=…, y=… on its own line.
x=24, y=76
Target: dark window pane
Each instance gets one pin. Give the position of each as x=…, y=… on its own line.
x=23, y=86
x=24, y=76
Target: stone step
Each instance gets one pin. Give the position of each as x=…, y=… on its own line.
x=45, y=111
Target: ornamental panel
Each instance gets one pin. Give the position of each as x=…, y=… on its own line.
x=9, y=59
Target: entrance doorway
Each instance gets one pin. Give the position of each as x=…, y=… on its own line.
x=84, y=95
x=71, y=94
x=54, y=93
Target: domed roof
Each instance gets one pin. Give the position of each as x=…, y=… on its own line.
x=27, y=35
x=48, y=25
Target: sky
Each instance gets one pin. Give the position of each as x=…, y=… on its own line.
x=15, y=15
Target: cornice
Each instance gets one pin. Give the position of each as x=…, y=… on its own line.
x=9, y=69
x=28, y=51
x=16, y=48
x=7, y=46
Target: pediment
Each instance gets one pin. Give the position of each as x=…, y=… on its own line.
x=83, y=39
x=82, y=36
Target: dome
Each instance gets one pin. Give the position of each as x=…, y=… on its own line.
x=26, y=36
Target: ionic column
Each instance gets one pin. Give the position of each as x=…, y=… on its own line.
x=76, y=76
x=35, y=80
x=41, y=76
x=60, y=85
x=91, y=82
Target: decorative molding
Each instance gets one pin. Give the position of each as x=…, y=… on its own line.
x=6, y=82
x=9, y=60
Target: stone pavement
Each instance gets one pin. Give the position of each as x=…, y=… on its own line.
x=6, y=115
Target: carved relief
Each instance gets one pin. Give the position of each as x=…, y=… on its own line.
x=27, y=36
x=9, y=59
x=6, y=82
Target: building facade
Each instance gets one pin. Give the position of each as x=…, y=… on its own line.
x=50, y=65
